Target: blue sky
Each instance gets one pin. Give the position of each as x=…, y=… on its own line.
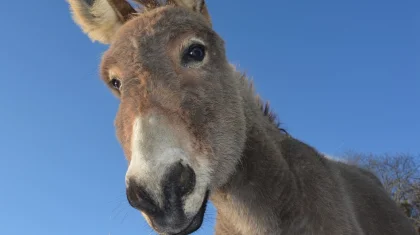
x=342, y=75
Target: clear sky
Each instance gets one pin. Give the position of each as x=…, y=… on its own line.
x=340, y=74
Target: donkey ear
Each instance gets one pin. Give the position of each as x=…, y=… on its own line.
x=100, y=19
x=198, y=6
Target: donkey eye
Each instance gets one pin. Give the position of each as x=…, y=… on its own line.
x=116, y=83
x=195, y=53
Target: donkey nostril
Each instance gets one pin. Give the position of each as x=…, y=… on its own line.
x=179, y=180
x=139, y=199
x=187, y=180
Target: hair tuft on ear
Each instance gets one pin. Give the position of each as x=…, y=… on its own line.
x=100, y=19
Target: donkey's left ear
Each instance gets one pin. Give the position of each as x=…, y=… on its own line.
x=100, y=19
x=198, y=6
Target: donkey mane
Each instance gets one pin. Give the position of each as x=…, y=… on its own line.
x=263, y=105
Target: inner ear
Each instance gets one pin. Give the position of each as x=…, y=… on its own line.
x=123, y=9
x=100, y=19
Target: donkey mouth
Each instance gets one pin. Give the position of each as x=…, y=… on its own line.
x=197, y=221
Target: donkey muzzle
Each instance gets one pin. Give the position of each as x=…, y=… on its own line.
x=177, y=183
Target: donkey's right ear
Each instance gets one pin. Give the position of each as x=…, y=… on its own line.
x=100, y=19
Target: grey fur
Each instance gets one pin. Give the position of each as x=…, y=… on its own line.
x=264, y=181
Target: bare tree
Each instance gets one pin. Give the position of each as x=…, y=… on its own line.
x=400, y=176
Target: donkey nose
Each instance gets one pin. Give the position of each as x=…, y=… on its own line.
x=178, y=181
x=138, y=198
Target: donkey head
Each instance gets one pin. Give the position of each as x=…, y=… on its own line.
x=181, y=120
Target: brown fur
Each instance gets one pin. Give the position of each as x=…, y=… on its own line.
x=263, y=181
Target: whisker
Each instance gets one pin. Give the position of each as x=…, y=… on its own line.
x=115, y=209
x=125, y=216
x=118, y=205
x=119, y=212
x=152, y=232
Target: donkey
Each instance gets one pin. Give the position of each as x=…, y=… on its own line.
x=193, y=129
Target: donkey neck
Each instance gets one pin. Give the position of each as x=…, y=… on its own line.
x=263, y=188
